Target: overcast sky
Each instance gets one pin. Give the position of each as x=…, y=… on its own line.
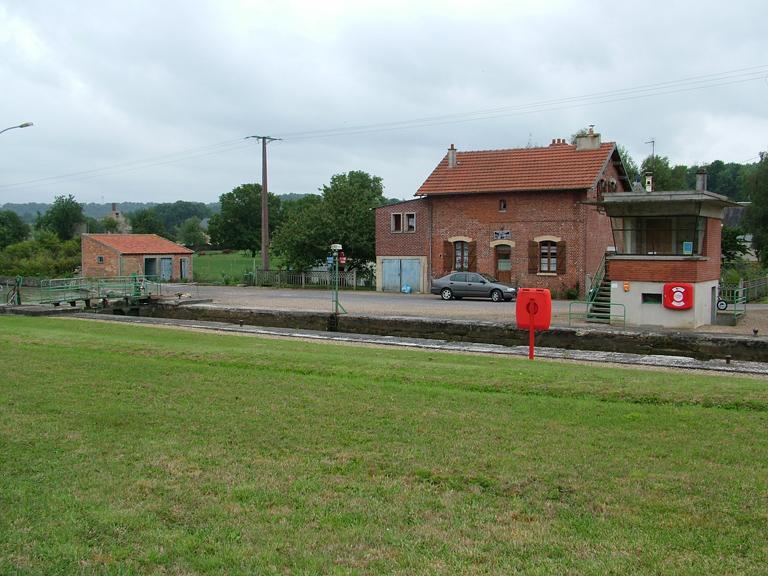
x=151, y=100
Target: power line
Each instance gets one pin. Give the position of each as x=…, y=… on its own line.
x=121, y=168
x=685, y=84
x=701, y=82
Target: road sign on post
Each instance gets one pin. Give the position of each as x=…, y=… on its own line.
x=337, y=254
x=534, y=312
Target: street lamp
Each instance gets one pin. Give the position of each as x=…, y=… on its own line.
x=24, y=125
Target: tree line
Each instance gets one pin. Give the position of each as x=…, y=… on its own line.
x=302, y=227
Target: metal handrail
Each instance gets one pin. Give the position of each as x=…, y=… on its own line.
x=57, y=290
x=597, y=280
x=618, y=318
x=754, y=289
x=740, y=302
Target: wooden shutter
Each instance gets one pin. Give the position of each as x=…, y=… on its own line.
x=472, y=246
x=561, y=257
x=447, y=257
x=533, y=257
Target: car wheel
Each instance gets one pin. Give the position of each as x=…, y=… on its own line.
x=497, y=296
x=446, y=294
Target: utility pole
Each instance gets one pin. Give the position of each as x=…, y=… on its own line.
x=264, y=200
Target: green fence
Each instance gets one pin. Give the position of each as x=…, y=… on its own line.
x=60, y=290
x=750, y=290
x=616, y=316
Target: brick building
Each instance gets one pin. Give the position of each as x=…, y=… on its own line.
x=517, y=214
x=105, y=255
x=665, y=267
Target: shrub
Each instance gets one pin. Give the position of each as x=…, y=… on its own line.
x=45, y=257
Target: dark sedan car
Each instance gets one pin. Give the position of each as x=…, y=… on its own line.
x=472, y=285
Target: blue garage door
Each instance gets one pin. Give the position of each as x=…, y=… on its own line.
x=166, y=268
x=399, y=273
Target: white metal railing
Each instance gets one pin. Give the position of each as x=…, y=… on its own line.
x=312, y=278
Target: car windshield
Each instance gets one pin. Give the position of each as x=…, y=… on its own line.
x=489, y=277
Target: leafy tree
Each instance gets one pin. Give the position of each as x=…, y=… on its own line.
x=146, y=221
x=62, y=217
x=46, y=256
x=732, y=244
x=629, y=164
x=173, y=214
x=301, y=238
x=665, y=177
x=93, y=225
x=344, y=214
x=677, y=178
x=190, y=233
x=12, y=229
x=349, y=202
x=238, y=225
x=757, y=212
x=109, y=225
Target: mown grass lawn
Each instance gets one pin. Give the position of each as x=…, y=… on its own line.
x=220, y=268
x=137, y=450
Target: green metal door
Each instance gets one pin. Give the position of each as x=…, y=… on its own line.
x=150, y=266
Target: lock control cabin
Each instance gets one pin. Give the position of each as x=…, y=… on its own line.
x=664, y=267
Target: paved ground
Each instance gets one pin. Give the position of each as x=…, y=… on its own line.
x=418, y=305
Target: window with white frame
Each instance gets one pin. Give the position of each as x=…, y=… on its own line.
x=548, y=256
x=461, y=255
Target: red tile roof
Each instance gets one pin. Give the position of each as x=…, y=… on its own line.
x=557, y=167
x=140, y=244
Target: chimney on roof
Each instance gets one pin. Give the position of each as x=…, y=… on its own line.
x=452, y=157
x=114, y=207
x=648, y=181
x=589, y=141
x=701, y=179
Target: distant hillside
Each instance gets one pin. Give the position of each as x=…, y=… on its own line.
x=29, y=210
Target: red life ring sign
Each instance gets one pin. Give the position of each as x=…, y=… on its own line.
x=534, y=312
x=678, y=296
x=534, y=308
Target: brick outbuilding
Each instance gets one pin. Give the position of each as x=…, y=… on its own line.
x=105, y=255
x=516, y=214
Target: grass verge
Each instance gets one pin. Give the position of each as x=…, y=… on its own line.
x=133, y=450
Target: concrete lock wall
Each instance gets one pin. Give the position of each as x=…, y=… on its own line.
x=700, y=346
x=643, y=305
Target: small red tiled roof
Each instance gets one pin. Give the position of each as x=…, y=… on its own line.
x=556, y=167
x=140, y=244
